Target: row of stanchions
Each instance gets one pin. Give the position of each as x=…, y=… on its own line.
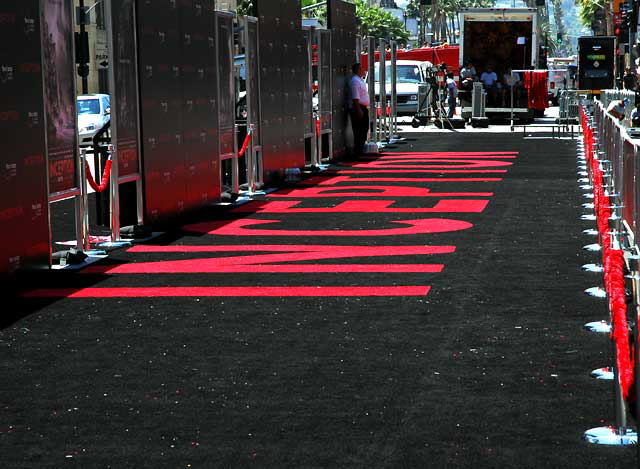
x=598, y=186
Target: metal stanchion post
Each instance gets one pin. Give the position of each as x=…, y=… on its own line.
x=86, y=244
x=114, y=203
x=382, y=92
x=395, y=137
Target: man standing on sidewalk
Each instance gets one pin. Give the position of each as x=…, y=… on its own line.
x=358, y=108
x=452, y=94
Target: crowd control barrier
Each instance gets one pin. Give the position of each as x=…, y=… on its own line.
x=372, y=141
x=323, y=41
x=610, y=158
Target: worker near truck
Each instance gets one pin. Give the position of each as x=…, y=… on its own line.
x=510, y=79
x=452, y=94
x=489, y=80
x=468, y=75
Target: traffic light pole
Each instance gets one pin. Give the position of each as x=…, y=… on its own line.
x=83, y=68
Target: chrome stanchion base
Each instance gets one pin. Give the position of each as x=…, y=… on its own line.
x=592, y=268
x=583, y=180
x=588, y=205
x=588, y=195
x=588, y=217
x=586, y=187
x=582, y=173
x=590, y=232
x=595, y=247
x=596, y=292
x=599, y=327
x=371, y=148
x=604, y=374
x=115, y=244
x=609, y=436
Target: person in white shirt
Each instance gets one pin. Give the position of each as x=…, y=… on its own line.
x=358, y=108
x=452, y=94
x=616, y=108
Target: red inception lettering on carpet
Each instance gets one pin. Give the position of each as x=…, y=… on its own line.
x=378, y=191
x=330, y=181
x=272, y=263
x=363, y=206
x=430, y=164
x=416, y=170
x=281, y=291
x=239, y=228
x=456, y=154
x=424, y=156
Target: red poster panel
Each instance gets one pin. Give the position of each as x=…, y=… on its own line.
x=59, y=94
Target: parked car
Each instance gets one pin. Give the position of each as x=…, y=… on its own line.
x=409, y=74
x=94, y=112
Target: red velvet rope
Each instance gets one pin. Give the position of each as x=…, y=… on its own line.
x=613, y=263
x=245, y=144
x=105, y=176
x=318, y=127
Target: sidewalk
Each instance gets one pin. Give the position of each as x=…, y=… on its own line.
x=422, y=308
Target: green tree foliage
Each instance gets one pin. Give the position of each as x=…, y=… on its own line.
x=372, y=21
x=587, y=10
x=379, y=23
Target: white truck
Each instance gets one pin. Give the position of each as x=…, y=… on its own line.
x=499, y=40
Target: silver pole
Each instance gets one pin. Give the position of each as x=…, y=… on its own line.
x=511, y=93
x=114, y=196
x=394, y=91
x=371, y=43
x=85, y=200
x=382, y=91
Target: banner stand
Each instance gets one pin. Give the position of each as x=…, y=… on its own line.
x=371, y=147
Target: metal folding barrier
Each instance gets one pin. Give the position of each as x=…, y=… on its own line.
x=253, y=154
x=226, y=102
x=325, y=95
x=616, y=155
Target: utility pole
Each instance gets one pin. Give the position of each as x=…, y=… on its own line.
x=82, y=49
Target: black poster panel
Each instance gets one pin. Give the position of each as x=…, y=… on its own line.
x=23, y=177
x=342, y=22
x=125, y=94
x=200, y=128
x=60, y=105
x=271, y=88
x=159, y=49
x=281, y=55
x=226, y=86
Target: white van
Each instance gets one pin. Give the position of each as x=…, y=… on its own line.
x=94, y=111
x=409, y=74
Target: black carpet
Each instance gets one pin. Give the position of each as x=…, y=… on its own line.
x=489, y=369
